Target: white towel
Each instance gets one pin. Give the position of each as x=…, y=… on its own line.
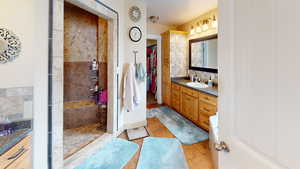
x=131, y=97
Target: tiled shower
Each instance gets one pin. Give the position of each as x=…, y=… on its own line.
x=85, y=78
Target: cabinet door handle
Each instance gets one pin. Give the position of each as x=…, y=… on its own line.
x=17, y=154
x=207, y=110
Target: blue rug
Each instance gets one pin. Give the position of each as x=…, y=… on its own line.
x=162, y=153
x=114, y=155
x=186, y=131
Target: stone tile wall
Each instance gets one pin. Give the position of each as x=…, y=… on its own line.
x=85, y=39
x=16, y=103
x=56, y=105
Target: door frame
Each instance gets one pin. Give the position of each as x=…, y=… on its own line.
x=56, y=66
x=159, y=66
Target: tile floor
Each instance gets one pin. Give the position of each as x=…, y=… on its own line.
x=197, y=155
x=77, y=138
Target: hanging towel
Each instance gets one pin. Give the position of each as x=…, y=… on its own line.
x=140, y=72
x=103, y=97
x=131, y=97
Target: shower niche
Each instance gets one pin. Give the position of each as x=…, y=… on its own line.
x=85, y=78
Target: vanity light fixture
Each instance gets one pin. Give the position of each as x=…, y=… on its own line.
x=198, y=29
x=214, y=22
x=205, y=25
x=192, y=31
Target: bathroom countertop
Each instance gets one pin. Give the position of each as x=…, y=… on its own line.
x=7, y=142
x=183, y=81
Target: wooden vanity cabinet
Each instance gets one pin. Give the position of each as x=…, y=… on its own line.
x=168, y=60
x=207, y=108
x=19, y=156
x=194, y=105
x=190, y=104
x=176, y=97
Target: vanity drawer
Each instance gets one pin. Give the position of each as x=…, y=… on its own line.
x=176, y=87
x=208, y=98
x=15, y=152
x=206, y=108
x=23, y=162
x=176, y=95
x=204, y=121
x=190, y=92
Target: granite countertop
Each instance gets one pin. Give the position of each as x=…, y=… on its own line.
x=21, y=131
x=183, y=81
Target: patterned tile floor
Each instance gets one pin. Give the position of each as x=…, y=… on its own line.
x=77, y=138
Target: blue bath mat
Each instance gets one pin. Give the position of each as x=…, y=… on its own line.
x=186, y=131
x=162, y=153
x=114, y=155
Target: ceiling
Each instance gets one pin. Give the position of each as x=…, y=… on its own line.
x=177, y=12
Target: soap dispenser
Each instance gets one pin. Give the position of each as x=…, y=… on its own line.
x=210, y=82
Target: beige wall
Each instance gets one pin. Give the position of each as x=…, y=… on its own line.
x=157, y=29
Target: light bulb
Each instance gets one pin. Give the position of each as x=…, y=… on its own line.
x=214, y=22
x=199, y=29
x=192, y=31
x=205, y=27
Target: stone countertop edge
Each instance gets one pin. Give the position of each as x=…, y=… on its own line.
x=210, y=91
x=14, y=141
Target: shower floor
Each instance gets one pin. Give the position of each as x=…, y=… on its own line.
x=77, y=138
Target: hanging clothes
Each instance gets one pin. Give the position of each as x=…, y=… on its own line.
x=152, y=69
x=131, y=95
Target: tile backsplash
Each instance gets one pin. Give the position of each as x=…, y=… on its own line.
x=16, y=103
x=204, y=76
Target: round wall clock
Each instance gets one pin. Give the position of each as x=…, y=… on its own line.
x=10, y=46
x=135, y=34
x=135, y=13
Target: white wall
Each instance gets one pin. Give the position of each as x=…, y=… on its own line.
x=126, y=46
x=29, y=20
x=139, y=115
x=19, y=73
x=156, y=28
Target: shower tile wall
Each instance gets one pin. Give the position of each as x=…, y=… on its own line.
x=82, y=35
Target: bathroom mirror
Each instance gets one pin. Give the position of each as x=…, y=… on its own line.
x=203, y=54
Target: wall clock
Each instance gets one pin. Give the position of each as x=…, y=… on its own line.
x=10, y=46
x=135, y=34
x=135, y=13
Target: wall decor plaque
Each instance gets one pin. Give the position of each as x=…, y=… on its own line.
x=135, y=13
x=10, y=46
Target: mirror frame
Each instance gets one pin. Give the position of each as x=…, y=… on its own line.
x=211, y=70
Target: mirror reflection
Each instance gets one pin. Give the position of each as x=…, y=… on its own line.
x=204, y=54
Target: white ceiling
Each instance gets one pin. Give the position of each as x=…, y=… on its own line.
x=177, y=12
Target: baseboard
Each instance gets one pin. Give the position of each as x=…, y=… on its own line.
x=119, y=132
x=135, y=125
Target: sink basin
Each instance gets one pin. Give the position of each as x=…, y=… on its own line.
x=197, y=85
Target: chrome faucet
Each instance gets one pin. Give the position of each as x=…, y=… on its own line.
x=195, y=77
